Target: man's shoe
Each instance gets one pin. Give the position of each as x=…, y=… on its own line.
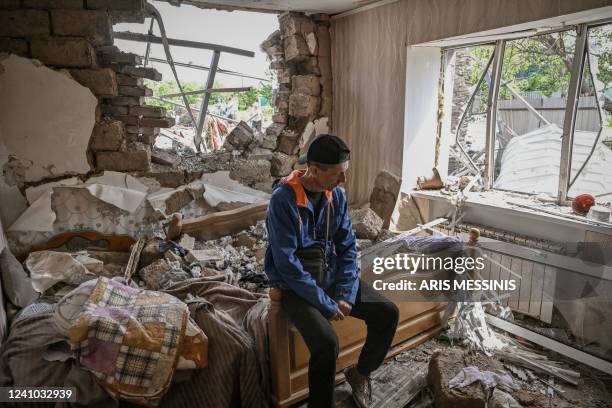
x=361, y=386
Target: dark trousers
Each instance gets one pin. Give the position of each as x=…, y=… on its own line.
x=380, y=316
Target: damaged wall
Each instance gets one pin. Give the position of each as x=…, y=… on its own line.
x=369, y=68
x=301, y=55
x=50, y=125
x=46, y=121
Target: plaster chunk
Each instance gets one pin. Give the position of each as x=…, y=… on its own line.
x=47, y=126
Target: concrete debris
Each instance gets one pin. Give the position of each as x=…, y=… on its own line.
x=117, y=203
x=501, y=399
x=187, y=242
x=443, y=367
x=363, y=244
x=384, y=195
x=239, y=138
x=250, y=172
x=163, y=157
x=162, y=274
x=366, y=223
x=245, y=240
x=282, y=164
x=288, y=142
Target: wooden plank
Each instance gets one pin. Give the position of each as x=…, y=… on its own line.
x=219, y=224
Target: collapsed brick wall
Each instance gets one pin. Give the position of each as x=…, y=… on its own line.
x=300, y=53
x=77, y=36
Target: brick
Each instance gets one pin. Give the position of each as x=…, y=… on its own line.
x=129, y=80
x=137, y=159
x=108, y=135
x=139, y=130
x=152, y=122
x=24, y=23
x=54, y=4
x=63, y=52
x=122, y=11
x=124, y=5
x=125, y=101
x=303, y=106
x=119, y=57
x=102, y=82
x=295, y=48
x=14, y=46
x=149, y=73
x=308, y=66
x=306, y=84
x=128, y=120
x=96, y=25
x=288, y=143
x=9, y=4
x=114, y=110
x=281, y=164
x=135, y=91
x=128, y=17
x=148, y=111
x=292, y=25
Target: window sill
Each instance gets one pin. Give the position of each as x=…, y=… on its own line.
x=510, y=204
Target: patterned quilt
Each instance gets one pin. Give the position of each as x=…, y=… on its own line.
x=132, y=340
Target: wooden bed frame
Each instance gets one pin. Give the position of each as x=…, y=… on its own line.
x=419, y=321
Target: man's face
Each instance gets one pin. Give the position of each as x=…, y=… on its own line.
x=330, y=178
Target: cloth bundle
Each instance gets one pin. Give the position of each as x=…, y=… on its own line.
x=133, y=340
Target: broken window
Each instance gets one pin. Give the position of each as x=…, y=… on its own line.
x=591, y=165
x=531, y=107
x=470, y=68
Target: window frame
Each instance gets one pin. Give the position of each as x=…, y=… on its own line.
x=571, y=107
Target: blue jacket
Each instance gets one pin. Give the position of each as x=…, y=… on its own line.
x=291, y=225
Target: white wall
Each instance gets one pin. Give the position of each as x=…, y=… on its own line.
x=421, y=113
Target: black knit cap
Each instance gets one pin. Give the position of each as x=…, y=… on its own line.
x=326, y=149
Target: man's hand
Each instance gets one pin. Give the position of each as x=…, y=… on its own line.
x=345, y=307
x=338, y=315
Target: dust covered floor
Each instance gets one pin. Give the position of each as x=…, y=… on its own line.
x=396, y=383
